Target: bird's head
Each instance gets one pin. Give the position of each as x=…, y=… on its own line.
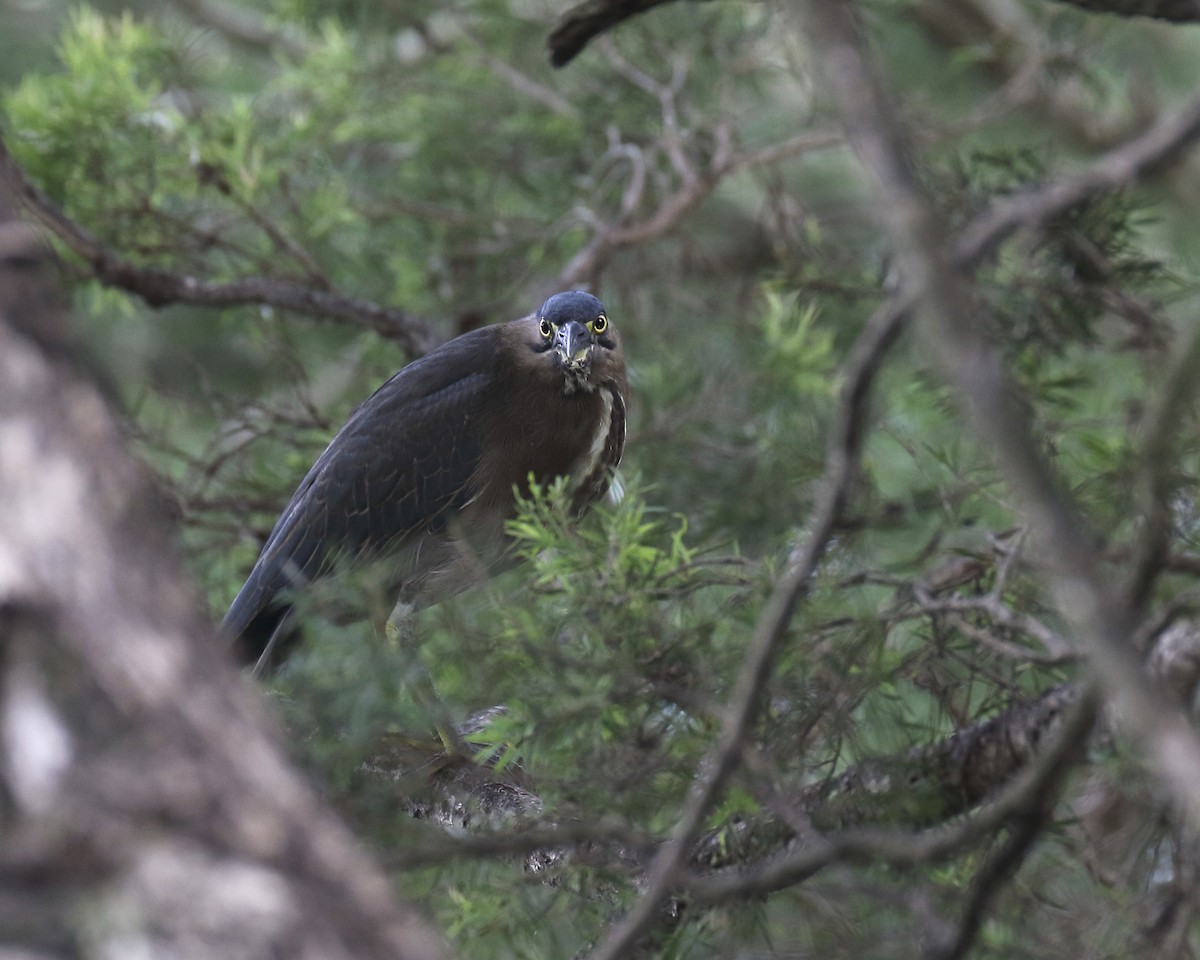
x=574, y=331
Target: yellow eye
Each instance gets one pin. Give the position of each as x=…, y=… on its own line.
x=599, y=325
x=546, y=328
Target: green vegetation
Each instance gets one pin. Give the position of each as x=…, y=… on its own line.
x=426, y=156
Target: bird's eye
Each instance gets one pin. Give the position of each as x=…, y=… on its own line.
x=546, y=328
x=599, y=325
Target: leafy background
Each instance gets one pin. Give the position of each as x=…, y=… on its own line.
x=425, y=155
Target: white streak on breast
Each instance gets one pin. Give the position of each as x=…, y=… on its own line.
x=586, y=465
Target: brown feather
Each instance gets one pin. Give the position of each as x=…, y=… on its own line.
x=427, y=466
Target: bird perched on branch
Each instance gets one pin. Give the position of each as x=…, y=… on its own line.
x=427, y=469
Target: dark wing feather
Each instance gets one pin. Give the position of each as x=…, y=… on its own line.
x=402, y=462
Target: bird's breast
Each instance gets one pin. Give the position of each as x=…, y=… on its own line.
x=550, y=436
x=590, y=459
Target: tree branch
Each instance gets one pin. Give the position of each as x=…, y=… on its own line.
x=1037, y=70
x=587, y=20
x=1134, y=160
x=1174, y=11
x=1156, y=479
x=954, y=332
x=1034, y=783
x=162, y=287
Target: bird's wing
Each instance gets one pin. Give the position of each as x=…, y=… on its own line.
x=402, y=462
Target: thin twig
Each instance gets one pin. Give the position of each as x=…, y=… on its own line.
x=1028, y=825
x=244, y=26
x=1157, y=479
x=901, y=848
x=609, y=238
x=587, y=20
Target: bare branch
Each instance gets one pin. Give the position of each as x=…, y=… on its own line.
x=243, y=26
x=1174, y=11
x=610, y=238
x=161, y=287
x=1035, y=783
x=1156, y=480
x=587, y=20
x=954, y=333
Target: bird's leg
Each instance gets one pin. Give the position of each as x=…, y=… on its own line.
x=401, y=623
x=401, y=629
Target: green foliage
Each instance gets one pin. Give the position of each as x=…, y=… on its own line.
x=425, y=155
x=623, y=632
x=800, y=352
x=102, y=133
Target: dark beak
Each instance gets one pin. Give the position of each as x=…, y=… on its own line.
x=573, y=344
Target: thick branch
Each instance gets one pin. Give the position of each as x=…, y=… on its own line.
x=243, y=26
x=1175, y=11
x=609, y=238
x=587, y=20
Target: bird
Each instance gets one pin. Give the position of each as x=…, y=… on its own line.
x=428, y=469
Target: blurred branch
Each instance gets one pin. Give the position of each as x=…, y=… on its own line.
x=162, y=287
x=954, y=332
x=244, y=26
x=1124, y=165
x=1030, y=789
x=518, y=80
x=1025, y=826
x=147, y=807
x=1157, y=478
x=587, y=20
x=882, y=148
x=1175, y=11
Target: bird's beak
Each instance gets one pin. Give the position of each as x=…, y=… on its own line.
x=573, y=343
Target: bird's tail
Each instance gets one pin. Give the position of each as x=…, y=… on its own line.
x=260, y=623
x=268, y=639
